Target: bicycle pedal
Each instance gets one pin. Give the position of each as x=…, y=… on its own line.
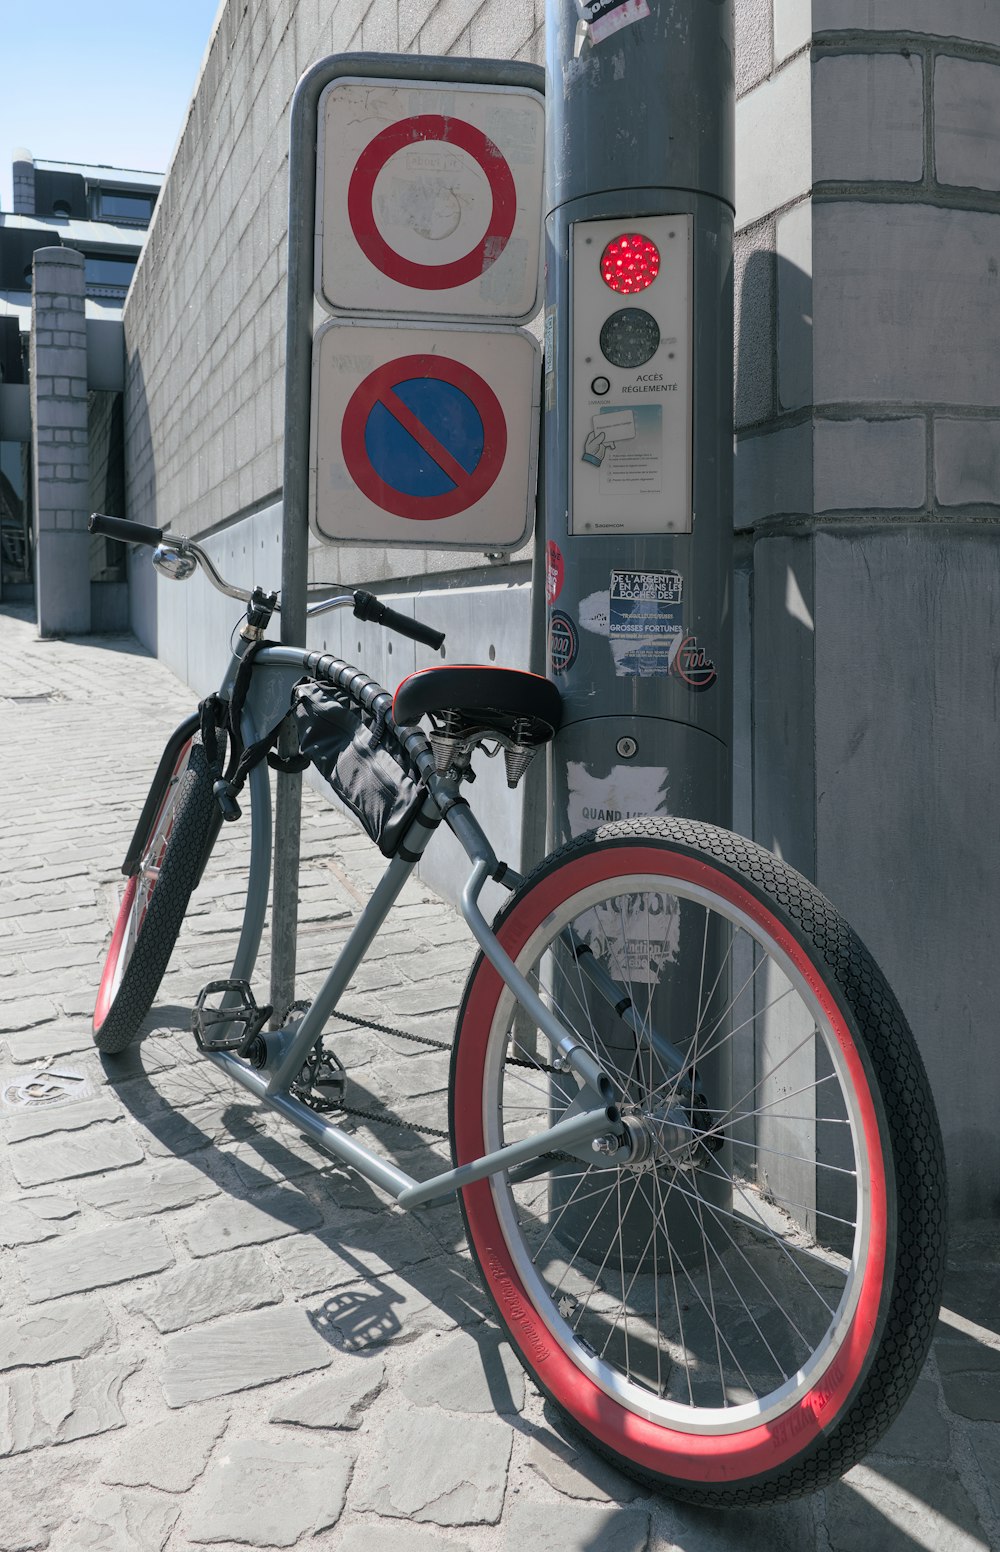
x=245, y=1013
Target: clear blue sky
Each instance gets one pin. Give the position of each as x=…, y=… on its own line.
x=107, y=83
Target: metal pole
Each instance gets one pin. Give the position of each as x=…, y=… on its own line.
x=638, y=407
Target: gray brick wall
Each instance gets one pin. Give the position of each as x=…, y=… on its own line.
x=868, y=494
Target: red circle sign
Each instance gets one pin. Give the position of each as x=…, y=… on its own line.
x=361, y=190
x=379, y=389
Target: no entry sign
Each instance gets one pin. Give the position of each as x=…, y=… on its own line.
x=429, y=200
x=412, y=445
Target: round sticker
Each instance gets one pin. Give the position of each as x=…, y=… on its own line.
x=564, y=643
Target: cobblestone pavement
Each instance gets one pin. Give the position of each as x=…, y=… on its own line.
x=211, y=1334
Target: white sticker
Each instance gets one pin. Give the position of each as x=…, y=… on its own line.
x=635, y=934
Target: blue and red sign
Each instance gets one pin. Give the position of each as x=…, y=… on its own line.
x=424, y=437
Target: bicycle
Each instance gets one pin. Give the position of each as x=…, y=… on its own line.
x=698, y=1162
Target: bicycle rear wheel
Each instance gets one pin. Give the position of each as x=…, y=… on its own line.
x=738, y=1311
x=155, y=900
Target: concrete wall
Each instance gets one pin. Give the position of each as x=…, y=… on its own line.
x=867, y=484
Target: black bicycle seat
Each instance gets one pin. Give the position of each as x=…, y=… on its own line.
x=475, y=688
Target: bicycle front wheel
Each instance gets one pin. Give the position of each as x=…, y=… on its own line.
x=734, y=1306
x=155, y=899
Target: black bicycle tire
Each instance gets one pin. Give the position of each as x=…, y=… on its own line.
x=180, y=870
x=910, y=1133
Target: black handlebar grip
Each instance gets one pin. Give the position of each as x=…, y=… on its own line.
x=123, y=528
x=368, y=607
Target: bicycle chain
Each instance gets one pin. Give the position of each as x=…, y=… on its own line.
x=360, y=1112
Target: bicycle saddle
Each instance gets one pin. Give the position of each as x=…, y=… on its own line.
x=470, y=702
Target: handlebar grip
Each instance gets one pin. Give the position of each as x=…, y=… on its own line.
x=123, y=528
x=368, y=607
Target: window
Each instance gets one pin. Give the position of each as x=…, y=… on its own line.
x=108, y=270
x=122, y=205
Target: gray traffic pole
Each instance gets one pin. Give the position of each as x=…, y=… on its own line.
x=638, y=432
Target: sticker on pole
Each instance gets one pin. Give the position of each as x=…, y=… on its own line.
x=429, y=199
x=424, y=437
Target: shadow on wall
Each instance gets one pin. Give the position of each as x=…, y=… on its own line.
x=140, y=495
x=773, y=488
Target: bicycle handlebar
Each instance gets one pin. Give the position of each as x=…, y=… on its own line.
x=366, y=605
x=123, y=528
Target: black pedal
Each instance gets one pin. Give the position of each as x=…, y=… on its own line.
x=249, y=1018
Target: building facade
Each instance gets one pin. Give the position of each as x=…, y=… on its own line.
x=67, y=255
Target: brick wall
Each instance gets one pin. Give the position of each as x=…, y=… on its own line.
x=868, y=493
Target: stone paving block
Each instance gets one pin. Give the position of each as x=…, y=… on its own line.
x=431, y=1466
x=899, y=1511
x=367, y=1536
x=228, y=1222
x=241, y=1353
x=25, y=1013
x=244, y=1496
x=577, y=1472
x=553, y=1528
x=35, y=1503
x=340, y=1398
x=60, y=1118
x=137, y=1194
x=920, y=1431
x=99, y=1258
x=361, y=1247
x=269, y=1160
x=73, y=1328
x=41, y=1161
x=170, y=1455
x=54, y=1040
x=27, y=1222
x=62, y=1402
x=170, y=1133
x=226, y=1284
x=462, y=1373
x=121, y=1522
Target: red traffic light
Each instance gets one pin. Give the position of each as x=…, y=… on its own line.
x=630, y=263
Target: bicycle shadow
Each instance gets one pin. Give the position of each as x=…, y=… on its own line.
x=396, y=1273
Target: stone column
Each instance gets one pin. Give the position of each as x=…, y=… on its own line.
x=61, y=455
x=868, y=485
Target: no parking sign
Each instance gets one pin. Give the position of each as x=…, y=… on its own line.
x=414, y=445
x=429, y=199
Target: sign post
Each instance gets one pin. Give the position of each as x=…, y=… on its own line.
x=414, y=230
x=638, y=415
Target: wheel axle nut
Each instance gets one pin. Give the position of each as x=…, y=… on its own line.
x=605, y=1145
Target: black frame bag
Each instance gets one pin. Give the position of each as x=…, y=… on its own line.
x=362, y=766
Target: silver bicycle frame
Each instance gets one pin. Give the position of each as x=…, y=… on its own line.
x=276, y=669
